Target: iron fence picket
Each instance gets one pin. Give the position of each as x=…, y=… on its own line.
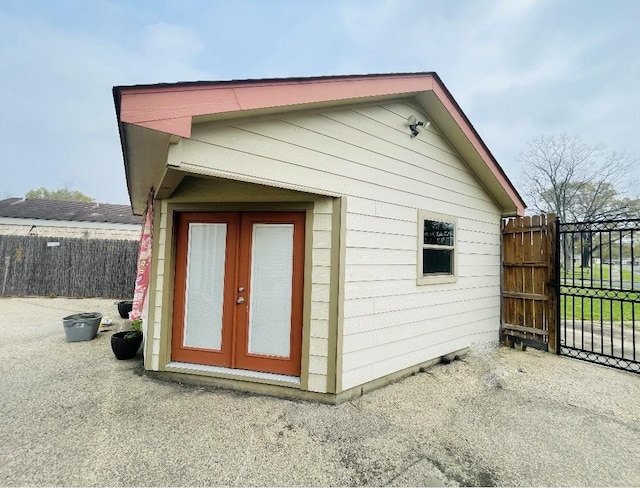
x=613, y=295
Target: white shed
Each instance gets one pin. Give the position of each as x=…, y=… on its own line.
x=313, y=237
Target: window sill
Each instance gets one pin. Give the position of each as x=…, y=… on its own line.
x=436, y=279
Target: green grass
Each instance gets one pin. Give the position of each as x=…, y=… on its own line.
x=600, y=307
x=600, y=273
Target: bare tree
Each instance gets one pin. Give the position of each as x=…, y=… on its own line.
x=578, y=182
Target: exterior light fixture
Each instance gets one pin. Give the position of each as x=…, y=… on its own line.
x=416, y=125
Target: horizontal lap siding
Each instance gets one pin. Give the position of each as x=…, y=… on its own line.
x=161, y=235
x=287, y=153
x=391, y=323
x=73, y=232
x=320, y=296
x=366, y=154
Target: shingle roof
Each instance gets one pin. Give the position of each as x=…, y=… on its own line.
x=74, y=211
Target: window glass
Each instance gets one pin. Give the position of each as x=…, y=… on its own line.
x=438, y=261
x=437, y=248
x=438, y=233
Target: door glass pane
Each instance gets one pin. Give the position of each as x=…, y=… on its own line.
x=271, y=285
x=205, y=286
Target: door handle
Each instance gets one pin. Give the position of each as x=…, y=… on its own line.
x=240, y=300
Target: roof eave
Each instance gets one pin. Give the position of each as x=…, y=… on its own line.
x=172, y=109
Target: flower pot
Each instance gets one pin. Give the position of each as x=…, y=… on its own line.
x=124, y=307
x=125, y=347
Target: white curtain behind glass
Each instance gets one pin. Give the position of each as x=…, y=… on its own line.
x=205, y=286
x=271, y=286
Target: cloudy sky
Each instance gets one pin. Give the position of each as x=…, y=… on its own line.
x=518, y=68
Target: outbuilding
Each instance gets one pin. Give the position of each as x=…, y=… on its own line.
x=313, y=237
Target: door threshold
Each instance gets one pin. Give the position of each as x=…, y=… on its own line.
x=244, y=373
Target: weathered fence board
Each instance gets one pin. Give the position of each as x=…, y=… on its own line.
x=45, y=266
x=528, y=267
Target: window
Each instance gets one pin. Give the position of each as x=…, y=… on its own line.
x=437, y=249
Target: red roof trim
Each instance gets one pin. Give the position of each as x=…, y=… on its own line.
x=170, y=107
x=146, y=106
x=461, y=119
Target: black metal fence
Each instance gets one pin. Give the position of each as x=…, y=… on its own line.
x=48, y=266
x=599, y=292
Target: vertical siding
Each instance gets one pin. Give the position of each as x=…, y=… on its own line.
x=366, y=154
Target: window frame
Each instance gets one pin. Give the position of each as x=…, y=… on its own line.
x=436, y=278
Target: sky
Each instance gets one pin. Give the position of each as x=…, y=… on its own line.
x=519, y=69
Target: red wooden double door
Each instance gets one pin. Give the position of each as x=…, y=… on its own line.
x=238, y=292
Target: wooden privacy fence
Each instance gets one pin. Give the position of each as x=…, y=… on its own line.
x=529, y=308
x=46, y=266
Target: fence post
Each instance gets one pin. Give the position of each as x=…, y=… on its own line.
x=554, y=282
x=7, y=262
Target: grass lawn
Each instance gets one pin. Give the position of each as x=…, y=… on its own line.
x=600, y=307
x=600, y=273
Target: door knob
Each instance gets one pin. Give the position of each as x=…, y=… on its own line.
x=240, y=300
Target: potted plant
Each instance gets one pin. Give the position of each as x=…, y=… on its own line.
x=124, y=307
x=125, y=344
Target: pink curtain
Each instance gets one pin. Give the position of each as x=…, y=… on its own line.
x=144, y=263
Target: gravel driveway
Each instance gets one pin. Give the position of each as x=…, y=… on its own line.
x=71, y=414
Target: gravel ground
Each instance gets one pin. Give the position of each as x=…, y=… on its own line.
x=71, y=414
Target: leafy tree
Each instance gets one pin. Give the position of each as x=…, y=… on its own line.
x=64, y=193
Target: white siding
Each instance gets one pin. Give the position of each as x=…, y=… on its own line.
x=320, y=273
x=153, y=362
x=131, y=233
x=366, y=154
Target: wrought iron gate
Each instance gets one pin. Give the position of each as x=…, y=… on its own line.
x=599, y=292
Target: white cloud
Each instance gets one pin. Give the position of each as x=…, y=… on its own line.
x=60, y=83
x=367, y=24
x=517, y=68
x=170, y=39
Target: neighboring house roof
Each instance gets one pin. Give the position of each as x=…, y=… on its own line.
x=20, y=208
x=169, y=110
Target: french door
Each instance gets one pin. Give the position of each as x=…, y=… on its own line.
x=238, y=290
